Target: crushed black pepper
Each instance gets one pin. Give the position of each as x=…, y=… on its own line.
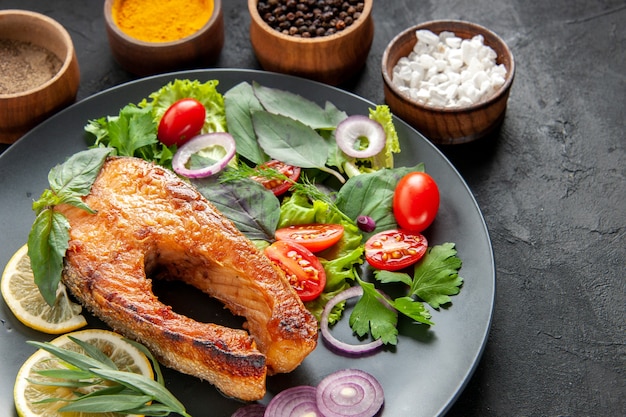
x=24, y=66
x=310, y=18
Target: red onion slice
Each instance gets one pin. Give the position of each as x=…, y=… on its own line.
x=338, y=345
x=349, y=393
x=351, y=129
x=252, y=410
x=294, y=402
x=197, y=144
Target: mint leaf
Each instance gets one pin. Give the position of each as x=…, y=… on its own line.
x=436, y=276
x=371, y=316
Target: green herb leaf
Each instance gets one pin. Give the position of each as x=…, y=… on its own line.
x=436, y=275
x=387, y=277
x=118, y=403
x=49, y=235
x=371, y=316
x=251, y=207
x=372, y=195
x=47, y=242
x=413, y=309
x=240, y=102
x=294, y=106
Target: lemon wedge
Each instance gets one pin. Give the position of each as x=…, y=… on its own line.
x=30, y=398
x=23, y=298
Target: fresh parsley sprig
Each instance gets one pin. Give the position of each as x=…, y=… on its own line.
x=112, y=390
x=435, y=279
x=49, y=235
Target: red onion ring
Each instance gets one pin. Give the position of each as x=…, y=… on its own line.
x=349, y=393
x=293, y=402
x=198, y=143
x=338, y=345
x=350, y=129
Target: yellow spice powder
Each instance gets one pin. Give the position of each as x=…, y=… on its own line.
x=161, y=20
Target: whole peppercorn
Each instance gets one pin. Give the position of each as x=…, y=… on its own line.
x=310, y=18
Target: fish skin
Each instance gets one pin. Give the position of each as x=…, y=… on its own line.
x=150, y=223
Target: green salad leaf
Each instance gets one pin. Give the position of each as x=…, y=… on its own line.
x=49, y=235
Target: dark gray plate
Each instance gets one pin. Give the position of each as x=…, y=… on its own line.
x=422, y=376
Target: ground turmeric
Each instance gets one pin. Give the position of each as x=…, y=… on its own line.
x=161, y=20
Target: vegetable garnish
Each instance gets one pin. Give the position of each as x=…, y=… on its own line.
x=359, y=136
x=302, y=268
x=250, y=410
x=314, y=236
x=213, y=150
x=295, y=401
x=181, y=121
x=342, y=347
x=349, y=392
x=395, y=249
x=116, y=390
x=49, y=236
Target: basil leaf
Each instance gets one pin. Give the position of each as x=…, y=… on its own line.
x=294, y=106
x=240, y=102
x=76, y=175
x=47, y=242
x=251, y=207
x=371, y=195
x=289, y=140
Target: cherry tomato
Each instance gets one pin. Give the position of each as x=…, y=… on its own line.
x=303, y=270
x=392, y=250
x=415, y=201
x=315, y=237
x=278, y=186
x=181, y=121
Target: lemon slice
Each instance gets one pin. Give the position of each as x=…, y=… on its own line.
x=27, y=304
x=26, y=393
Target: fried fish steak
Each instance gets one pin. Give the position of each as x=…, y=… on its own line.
x=149, y=224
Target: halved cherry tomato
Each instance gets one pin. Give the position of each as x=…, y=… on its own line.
x=315, y=237
x=415, y=201
x=392, y=250
x=278, y=186
x=181, y=121
x=303, y=270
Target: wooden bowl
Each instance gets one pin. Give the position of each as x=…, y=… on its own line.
x=448, y=126
x=22, y=110
x=142, y=58
x=329, y=59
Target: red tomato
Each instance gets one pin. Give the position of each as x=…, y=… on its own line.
x=278, y=186
x=415, y=201
x=315, y=237
x=181, y=122
x=303, y=270
x=392, y=250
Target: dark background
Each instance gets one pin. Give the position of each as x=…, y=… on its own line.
x=551, y=185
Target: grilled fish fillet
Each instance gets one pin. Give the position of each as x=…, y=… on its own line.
x=149, y=223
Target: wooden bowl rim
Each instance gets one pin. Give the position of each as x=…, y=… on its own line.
x=213, y=20
x=256, y=18
x=65, y=36
x=473, y=27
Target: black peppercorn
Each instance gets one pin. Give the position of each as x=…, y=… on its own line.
x=310, y=18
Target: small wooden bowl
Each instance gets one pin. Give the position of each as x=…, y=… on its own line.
x=448, y=126
x=21, y=111
x=329, y=59
x=147, y=58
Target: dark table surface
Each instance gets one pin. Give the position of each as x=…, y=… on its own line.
x=551, y=185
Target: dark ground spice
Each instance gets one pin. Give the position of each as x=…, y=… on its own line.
x=24, y=66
